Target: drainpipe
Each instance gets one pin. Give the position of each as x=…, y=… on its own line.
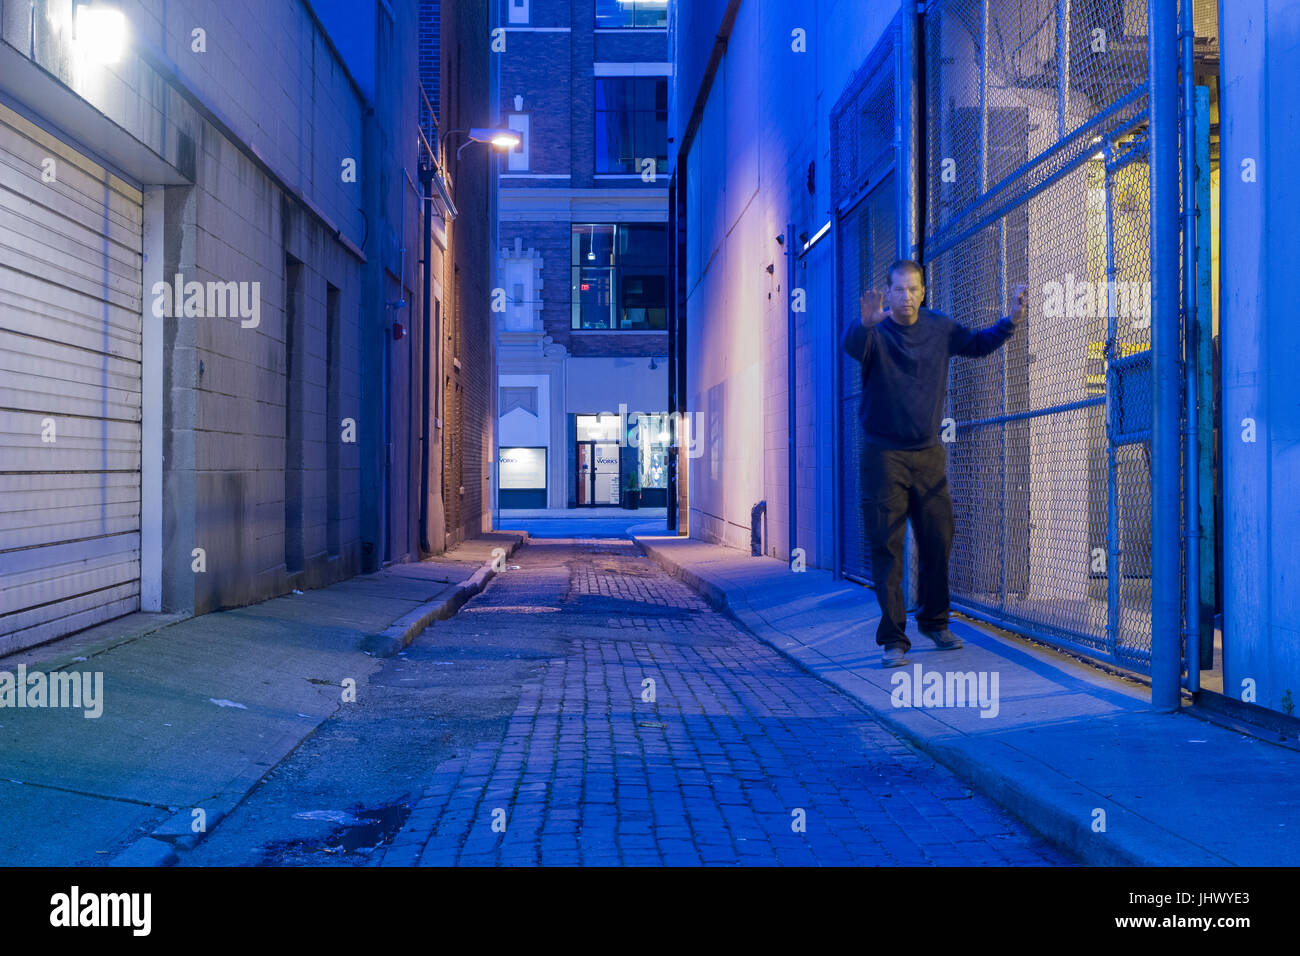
x=426, y=310
x=1162, y=52
x=791, y=423
x=1191, y=340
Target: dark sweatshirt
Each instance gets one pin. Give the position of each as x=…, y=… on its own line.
x=905, y=373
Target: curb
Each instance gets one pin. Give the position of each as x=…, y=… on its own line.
x=407, y=628
x=1055, y=822
x=147, y=851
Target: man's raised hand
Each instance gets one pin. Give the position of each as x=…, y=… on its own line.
x=872, y=307
x=1019, y=298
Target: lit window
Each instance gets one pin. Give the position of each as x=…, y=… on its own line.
x=620, y=276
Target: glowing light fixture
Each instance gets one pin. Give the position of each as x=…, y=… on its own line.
x=500, y=138
x=99, y=32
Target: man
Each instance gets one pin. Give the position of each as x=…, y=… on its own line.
x=904, y=350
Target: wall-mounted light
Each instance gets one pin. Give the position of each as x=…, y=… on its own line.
x=500, y=138
x=99, y=32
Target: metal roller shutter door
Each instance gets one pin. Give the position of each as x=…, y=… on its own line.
x=70, y=350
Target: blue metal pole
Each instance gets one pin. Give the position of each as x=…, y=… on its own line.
x=905, y=105
x=1191, y=457
x=982, y=173
x=1162, y=59
x=1205, y=378
x=839, y=320
x=1062, y=66
x=1113, y=565
x=791, y=423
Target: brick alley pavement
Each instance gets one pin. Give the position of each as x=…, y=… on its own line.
x=668, y=735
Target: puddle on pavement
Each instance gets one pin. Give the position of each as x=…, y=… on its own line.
x=362, y=830
x=382, y=824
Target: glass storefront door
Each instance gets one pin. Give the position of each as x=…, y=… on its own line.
x=598, y=464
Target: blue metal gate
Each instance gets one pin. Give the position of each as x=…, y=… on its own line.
x=1036, y=168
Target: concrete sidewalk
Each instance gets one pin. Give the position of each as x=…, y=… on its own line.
x=196, y=712
x=1067, y=744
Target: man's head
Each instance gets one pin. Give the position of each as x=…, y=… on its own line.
x=906, y=290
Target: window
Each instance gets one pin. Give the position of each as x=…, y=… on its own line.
x=620, y=274
x=652, y=440
x=517, y=158
x=619, y=14
x=602, y=427
x=518, y=11
x=631, y=123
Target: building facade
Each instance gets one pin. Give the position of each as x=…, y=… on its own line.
x=583, y=295
x=1110, y=467
x=458, y=73
x=208, y=302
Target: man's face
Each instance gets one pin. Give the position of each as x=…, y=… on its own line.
x=905, y=294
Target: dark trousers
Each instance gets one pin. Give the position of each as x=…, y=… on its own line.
x=897, y=485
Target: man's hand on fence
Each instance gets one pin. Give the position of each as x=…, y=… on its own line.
x=871, y=306
x=1019, y=297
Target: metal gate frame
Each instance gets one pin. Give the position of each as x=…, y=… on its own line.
x=1133, y=136
x=1139, y=386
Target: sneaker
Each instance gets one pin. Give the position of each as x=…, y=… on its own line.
x=895, y=655
x=945, y=640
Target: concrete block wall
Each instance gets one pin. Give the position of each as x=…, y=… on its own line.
x=226, y=142
x=269, y=71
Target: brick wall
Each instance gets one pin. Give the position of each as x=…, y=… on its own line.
x=467, y=356
x=554, y=74
x=430, y=51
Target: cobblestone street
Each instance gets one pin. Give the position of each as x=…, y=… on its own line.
x=667, y=735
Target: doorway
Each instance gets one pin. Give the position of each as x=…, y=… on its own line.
x=597, y=460
x=598, y=466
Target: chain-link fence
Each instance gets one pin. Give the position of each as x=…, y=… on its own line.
x=1037, y=174
x=1034, y=164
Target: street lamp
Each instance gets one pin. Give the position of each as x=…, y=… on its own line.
x=501, y=139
